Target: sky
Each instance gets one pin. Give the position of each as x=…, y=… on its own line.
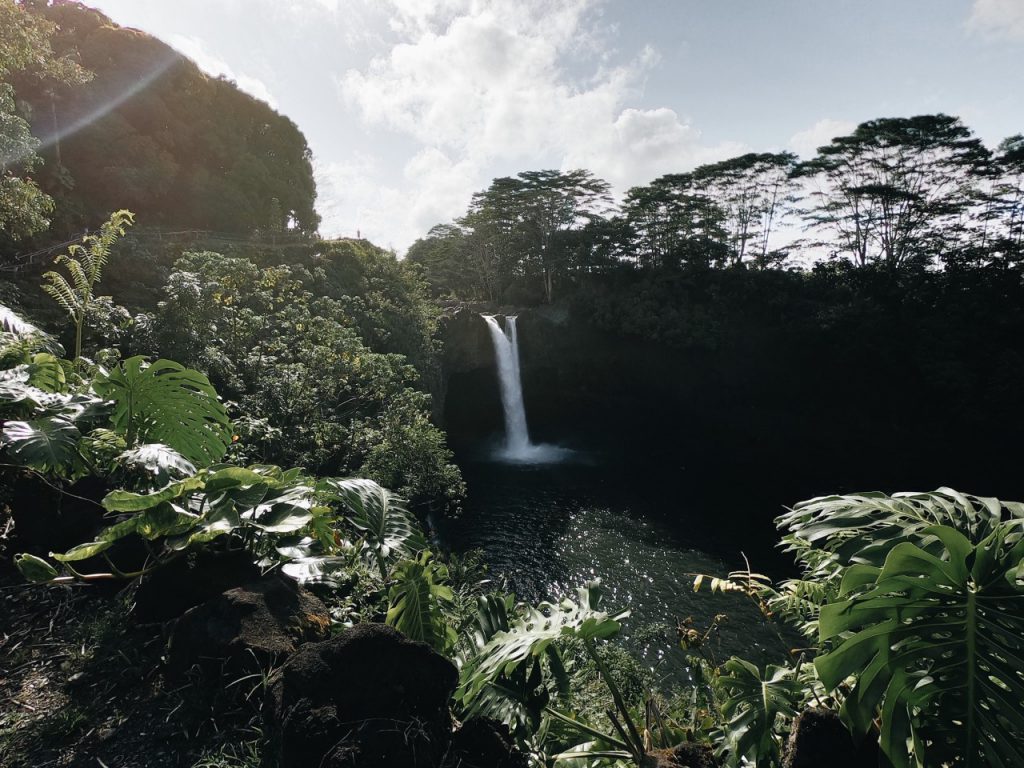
x=411, y=106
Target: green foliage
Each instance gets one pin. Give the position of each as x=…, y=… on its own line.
x=45, y=445
x=416, y=597
x=192, y=151
x=84, y=263
x=25, y=48
x=864, y=528
x=933, y=640
x=756, y=705
x=295, y=363
x=389, y=533
x=164, y=402
x=530, y=632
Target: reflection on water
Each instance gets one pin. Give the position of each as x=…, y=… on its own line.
x=546, y=529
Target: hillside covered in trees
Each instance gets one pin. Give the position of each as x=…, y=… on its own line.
x=136, y=124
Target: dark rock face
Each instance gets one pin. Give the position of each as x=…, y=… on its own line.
x=44, y=517
x=684, y=756
x=185, y=583
x=484, y=743
x=263, y=621
x=368, y=697
x=819, y=738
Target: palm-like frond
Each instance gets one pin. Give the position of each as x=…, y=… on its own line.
x=863, y=528
x=61, y=292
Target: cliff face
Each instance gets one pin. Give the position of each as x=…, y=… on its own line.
x=578, y=383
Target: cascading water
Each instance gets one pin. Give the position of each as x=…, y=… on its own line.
x=506, y=350
x=517, y=447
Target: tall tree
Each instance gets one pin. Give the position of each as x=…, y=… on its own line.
x=25, y=50
x=673, y=221
x=892, y=191
x=754, y=193
x=1006, y=210
x=524, y=224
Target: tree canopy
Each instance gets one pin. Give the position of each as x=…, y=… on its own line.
x=152, y=133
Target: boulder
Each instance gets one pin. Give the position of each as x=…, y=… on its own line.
x=262, y=622
x=820, y=738
x=484, y=743
x=686, y=755
x=368, y=697
x=190, y=581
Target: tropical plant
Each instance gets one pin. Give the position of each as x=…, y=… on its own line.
x=934, y=641
x=389, y=532
x=84, y=262
x=249, y=504
x=756, y=705
x=416, y=598
x=512, y=654
x=863, y=528
x=164, y=402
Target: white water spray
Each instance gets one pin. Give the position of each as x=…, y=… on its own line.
x=518, y=447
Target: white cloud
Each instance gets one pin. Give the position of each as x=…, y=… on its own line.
x=805, y=143
x=485, y=87
x=997, y=18
x=194, y=48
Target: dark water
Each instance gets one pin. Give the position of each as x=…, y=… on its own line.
x=546, y=529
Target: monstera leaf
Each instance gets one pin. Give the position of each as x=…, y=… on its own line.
x=755, y=704
x=863, y=528
x=158, y=463
x=46, y=445
x=13, y=323
x=935, y=643
x=167, y=403
x=415, y=598
x=530, y=632
x=389, y=531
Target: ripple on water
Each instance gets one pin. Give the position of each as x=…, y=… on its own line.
x=547, y=530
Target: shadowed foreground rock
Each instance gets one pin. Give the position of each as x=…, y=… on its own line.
x=819, y=738
x=684, y=756
x=484, y=743
x=190, y=581
x=368, y=697
x=262, y=622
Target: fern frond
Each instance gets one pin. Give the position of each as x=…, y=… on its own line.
x=60, y=291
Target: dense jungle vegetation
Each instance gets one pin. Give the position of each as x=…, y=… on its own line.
x=221, y=463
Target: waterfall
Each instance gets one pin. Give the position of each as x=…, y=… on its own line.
x=517, y=448
x=506, y=350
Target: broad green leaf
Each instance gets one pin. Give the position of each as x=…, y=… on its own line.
x=129, y=501
x=530, y=632
x=389, y=531
x=35, y=569
x=415, y=599
x=935, y=644
x=161, y=463
x=756, y=704
x=83, y=551
x=46, y=445
x=167, y=403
